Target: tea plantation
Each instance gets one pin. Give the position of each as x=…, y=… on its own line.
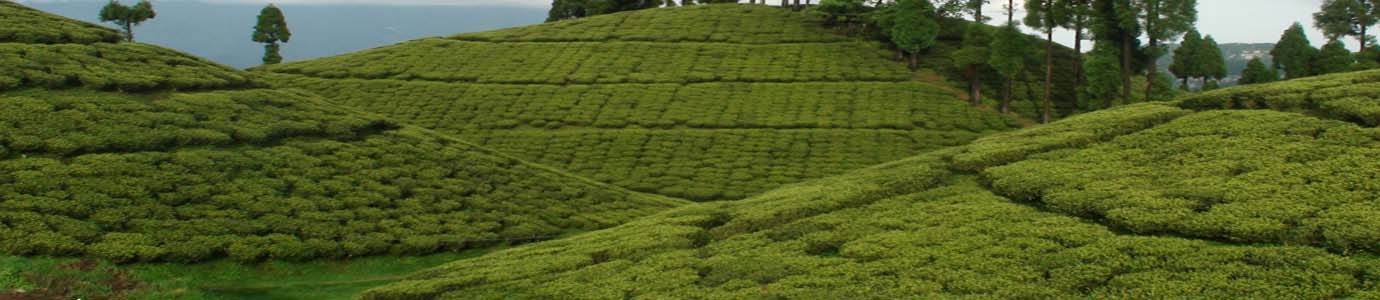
x=1147, y=201
x=91, y=168
x=687, y=102
x=21, y=24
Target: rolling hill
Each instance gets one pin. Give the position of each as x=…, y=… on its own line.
x=134, y=153
x=705, y=102
x=1257, y=192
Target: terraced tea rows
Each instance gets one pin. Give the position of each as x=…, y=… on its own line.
x=705, y=121
x=20, y=24
x=931, y=226
x=88, y=168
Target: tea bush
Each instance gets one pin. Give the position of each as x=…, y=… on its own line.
x=262, y=174
x=20, y=24
x=438, y=59
x=739, y=24
x=1349, y=97
x=124, y=67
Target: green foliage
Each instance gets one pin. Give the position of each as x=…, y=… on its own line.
x=127, y=16
x=449, y=60
x=20, y=24
x=913, y=28
x=1312, y=95
x=1214, y=64
x=1240, y=176
x=681, y=140
x=1076, y=131
x=1256, y=72
x=743, y=24
x=571, y=9
x=908, y=229
x=271, y=30
x=841, y=11
x=125, y=67
x=1293, y=54
x=1103, y=67
x=1334, y=58
x=1187, y=58
x=1343, y=18
x=266, y=174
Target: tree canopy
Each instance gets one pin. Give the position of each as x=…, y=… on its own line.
x=127, y=16
x=1293, y=54
x=913, y=27
x=1347, y=18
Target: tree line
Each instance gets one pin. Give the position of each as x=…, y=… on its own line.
x=271, y=28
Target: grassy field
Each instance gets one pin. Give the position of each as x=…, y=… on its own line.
x=686, y=102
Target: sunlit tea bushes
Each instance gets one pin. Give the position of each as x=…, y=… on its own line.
x=438, y=59
x=916, y=228
x=1353, y=97
x=1248, y=176
x=699, y=141
x=188, y=177
x=20, y=24
x=124, y=67
x=707, y=23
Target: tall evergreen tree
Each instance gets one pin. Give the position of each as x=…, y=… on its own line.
x=1293, y=54
x=1257, y=72
x=1080, y=14
x=1187, y=62
x=1163, y=20
x=914, y=28
x=1214, y=63
x=1008, y=58
x=1116, y=22
x=1334, y=58
x=271, y=30
x=1104, y=73
x=1046, y=16
x=126, y=16
x=1339, y=18
x=972, y=57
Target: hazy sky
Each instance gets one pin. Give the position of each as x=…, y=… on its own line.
x=1229, y=21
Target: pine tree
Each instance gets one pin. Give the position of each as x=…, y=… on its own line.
x=1116, y=22
x=1334, y=58
x=1046, y=16
x=1008, y=58
x=1186, y=63
x=1214, y=62
x=1163, y=20
x=1257, y=72
x=1293, y=54
x=1339, y=18
x=271, y=30
x=127, y=17
x=972, y=57
x=914, y=28
x=1104, y=73
x=1080, y=14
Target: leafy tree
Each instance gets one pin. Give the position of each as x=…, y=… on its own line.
x=1340, y=18
x=1213, y=63
x=972, y=57
x=847, y=12
x=1257, y=72
x=573, y=9
x=1293, y=53
x=1080, y=15
x=1368, y=59
x=914, y=29
x=1163, y=20
x=271, y=30
x=1008, y=58
x=1187, y=60
x=959, y=8
x=126, y=16
x=1334, y=58
x=1115, y=21
x=1046, y=16
x=1104, y=73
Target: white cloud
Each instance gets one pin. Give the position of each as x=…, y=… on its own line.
x=540, y=3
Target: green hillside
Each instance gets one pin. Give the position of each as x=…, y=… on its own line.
x=1201, y=198
x=705, y=102
x=21, y=24
x=91, y=168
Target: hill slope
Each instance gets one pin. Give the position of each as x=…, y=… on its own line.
x=704, y=102
x=1182, y=200
x=88, y=168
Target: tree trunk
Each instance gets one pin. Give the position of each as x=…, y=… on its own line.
x=1077, y=64
x=1363, y=40
x=974, y=86
x=1010, y=11
x=796, y=5
x=129, y=32
x=1125, y=67
x=784, y=3
x=1049, y=75
x=1006, y=94
x=914, y=60
x=1150, y=74
x=1185, y=83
